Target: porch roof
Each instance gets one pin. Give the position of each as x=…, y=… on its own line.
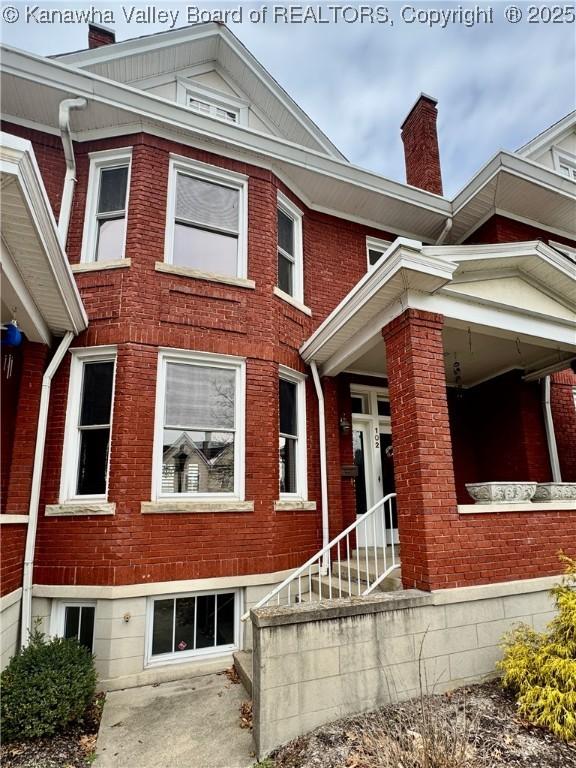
x=521, y=295
x=38, y=286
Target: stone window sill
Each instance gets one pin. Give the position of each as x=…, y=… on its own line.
x=547, y=506
x=13, y=519
x=294, y=505
x=179, y=507
x=97, y=266
x=80, y=509
x=172, y=269
x=291, y=300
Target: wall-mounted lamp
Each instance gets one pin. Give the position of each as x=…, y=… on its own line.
x=345, y=425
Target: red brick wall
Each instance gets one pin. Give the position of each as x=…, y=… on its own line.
x=12, y=544
x=139, y=310
x=564, y=418
x=498, y=433
x=500, y=229
x=8, y=407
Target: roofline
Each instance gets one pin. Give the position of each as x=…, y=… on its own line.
x=18, y=159
x=132, y=46
x=99, y=89
x=549, y=134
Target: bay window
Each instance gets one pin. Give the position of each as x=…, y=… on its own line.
x=199, y=431
x=290, y=268
x=88, y=424
x=292, y=437
x=107, y=206
x=207, y=219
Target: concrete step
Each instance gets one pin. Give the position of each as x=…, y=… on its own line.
x=392, y=583
x=243, y=665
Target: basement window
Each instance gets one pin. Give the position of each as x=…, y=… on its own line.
x=106, y=206
x=207, y=228
x=190, y=625
x=75, y=620
x=86, y=455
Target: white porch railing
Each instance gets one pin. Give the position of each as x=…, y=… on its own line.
x=343, y=568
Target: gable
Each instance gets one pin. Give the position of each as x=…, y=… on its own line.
x=514, y=292
x=549, y=146
x=156, y=63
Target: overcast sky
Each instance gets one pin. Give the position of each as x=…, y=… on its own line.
x=497, y=85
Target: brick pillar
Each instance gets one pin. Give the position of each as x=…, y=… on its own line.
x=34, y=358
x=423, y=464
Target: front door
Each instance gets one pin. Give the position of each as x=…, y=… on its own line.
x=372, y=445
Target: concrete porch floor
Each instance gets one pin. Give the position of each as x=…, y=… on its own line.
x=192, y=723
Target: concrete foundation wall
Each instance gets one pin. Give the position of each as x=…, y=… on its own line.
x=313, y=665
x=9, y=626
x=120, y=626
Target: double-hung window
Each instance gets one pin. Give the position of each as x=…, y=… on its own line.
x=292, y=439
x=375, y=249
x=88, y=424
x=74, y=620
x=107, y=206
x=193, y=625
x=207, y=229
x=290, y=268
x=199, y=426
x=565, y=163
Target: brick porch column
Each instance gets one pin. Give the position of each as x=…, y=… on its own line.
x=423, y=465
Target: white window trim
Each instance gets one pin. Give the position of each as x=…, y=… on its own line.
x=200, y=653
x=569, y=250
x=99, y=160
x=295, y=377
x=375, y=244
x=209, y=173
x=71, y=449
x=186, y=90
x=291, y=210
x=237, y=364
x=562, y=157
x=58, y=614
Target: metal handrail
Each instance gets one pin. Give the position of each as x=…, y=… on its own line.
x=324, y=564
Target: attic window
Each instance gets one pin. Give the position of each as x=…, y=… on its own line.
x=213, y=110
x=565, y=163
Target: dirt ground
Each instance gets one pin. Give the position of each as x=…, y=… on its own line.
x=74, y=748
x=477, y=726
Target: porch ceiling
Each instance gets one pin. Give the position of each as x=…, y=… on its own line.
x=38, y=287
x=505, y=306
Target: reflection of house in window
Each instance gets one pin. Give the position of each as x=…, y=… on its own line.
x=191, y=466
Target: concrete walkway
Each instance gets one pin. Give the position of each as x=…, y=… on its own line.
x=192, y=723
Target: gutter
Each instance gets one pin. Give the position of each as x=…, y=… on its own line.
x=323, y=470
x=26, y=625
x=70, y=179
x=550, y=434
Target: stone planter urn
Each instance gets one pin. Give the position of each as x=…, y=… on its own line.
x=501, y=493
x=555, y=492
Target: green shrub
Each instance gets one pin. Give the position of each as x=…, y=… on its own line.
x=48, y=685
x=540, y=667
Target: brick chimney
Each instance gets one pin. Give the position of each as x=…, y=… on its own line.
x=98, y=36
x=421, y=152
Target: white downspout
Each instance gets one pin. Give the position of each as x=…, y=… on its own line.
x=323, y=471
x=445, y=232
x=35, y=491
x=550, y=434
x=70, y=179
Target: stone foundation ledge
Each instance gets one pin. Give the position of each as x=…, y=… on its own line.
x=529, y=506
x=324, y=610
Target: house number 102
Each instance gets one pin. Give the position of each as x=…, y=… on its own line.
x=377, y=438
